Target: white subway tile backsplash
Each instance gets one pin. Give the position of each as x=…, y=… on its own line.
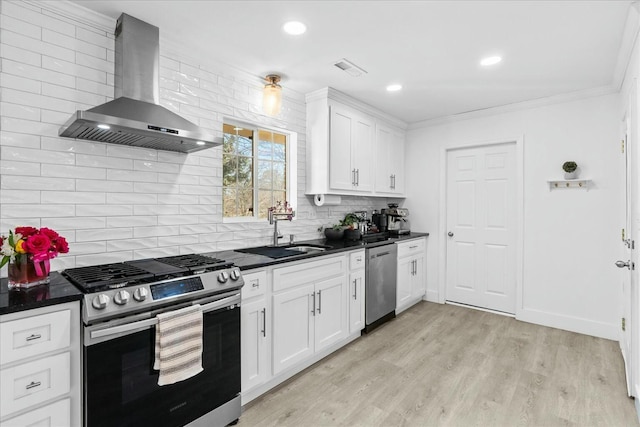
x=33, y=155
x=104, y=210
x=8, y=167
x=132, y=221
x=156, y=231
x=117, y=202
x=74, y=223
x=132, y=244
x=106, y=186
x=103, y=162
x=15, y=182
x=131, y=198
x=19, y=196
x=72, y=197
x=19, y=111
x=36, y=210
x=97, y=234
x=63, y=171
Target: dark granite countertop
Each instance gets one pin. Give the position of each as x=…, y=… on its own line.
x=58, y=291
x=248, y=261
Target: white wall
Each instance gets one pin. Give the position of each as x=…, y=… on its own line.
x=116, y=203
x=571, y=237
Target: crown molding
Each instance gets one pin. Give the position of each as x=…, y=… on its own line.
x=77, y=13
x=519, y=106
x=336, y=95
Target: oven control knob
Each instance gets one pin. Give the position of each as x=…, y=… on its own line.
x=140, y=294
x=235, y=274
x=223, y=277
x=121, y=297
x=100, y=302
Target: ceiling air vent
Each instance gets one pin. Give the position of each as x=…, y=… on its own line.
x=349, y=68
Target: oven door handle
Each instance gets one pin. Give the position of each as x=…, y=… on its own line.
x=143, y=324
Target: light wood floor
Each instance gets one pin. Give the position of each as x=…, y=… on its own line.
x=442, y=365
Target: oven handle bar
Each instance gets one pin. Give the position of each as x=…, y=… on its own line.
x=142, y=324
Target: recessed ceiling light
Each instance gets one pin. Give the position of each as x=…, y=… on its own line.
x=294, y=28
x=200, y=143
x=490, y=60
x=394, y=88
x=104, y=126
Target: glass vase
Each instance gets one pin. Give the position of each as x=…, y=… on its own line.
x=23, y=273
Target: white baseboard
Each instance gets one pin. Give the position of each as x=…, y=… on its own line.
x=569, y=323
x=432, y=296
x=637, y=402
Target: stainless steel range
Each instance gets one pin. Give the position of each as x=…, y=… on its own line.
x=120, y=306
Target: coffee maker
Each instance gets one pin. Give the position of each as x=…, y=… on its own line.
x=397, y=221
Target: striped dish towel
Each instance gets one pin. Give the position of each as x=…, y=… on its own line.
x=179, y=344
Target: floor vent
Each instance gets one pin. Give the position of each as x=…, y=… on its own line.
x=349, y=68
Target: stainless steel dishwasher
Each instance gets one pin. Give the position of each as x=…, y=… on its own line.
x=380, y=283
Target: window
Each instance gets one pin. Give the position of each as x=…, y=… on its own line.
x=255, y=170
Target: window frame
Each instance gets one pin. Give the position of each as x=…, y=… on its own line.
x=291, y=169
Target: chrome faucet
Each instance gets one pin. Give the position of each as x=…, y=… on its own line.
x=273, y=219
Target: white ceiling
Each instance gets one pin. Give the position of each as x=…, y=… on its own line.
x=432, y=48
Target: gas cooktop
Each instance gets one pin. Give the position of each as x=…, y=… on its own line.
x=97, y=278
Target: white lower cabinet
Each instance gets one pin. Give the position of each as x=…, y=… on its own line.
x=40, y=367
x=255, y=333
x=294, y=314
x=411, y=284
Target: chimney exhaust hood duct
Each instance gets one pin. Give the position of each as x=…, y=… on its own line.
x=134, y=118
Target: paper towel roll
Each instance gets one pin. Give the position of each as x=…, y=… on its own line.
x=326, y=199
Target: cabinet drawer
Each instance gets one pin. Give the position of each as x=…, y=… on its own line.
x=55, y=414
x=35, y=382
x=411, y=247
x=34, y=335
x=356, y=260
x=308, y=272
x=254, y=284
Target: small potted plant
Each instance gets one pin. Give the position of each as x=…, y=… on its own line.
x=351, y=232
x=570, y=170
x=335, y=232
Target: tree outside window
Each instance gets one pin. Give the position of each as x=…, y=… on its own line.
x=254, y=171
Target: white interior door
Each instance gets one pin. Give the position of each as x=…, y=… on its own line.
x=481, y=226
x=628, y=261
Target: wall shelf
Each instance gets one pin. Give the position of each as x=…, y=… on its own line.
x=569, y=183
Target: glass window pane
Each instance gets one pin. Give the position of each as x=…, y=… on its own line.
x=229, y=170
x=264, y=175
x=279, y=196
x=279, y=182
x=245, y=202
x=229, y=144
x=265, y=150
x=229, y=202
x=245, y=146
x=265, y=201
x=279, y=152
x=245, y=172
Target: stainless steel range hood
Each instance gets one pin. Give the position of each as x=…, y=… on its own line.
x=135, y=117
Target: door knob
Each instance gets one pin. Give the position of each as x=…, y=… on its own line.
x=622, y=264
x=450, y=234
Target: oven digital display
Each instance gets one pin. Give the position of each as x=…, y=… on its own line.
x=179, y=287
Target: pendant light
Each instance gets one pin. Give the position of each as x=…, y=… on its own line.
x=272, y=95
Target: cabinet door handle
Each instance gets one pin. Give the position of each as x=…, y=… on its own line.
x=264, y=322
x=394, y=181
x=357, y=177
x=355, y=288
x=33, y=385
x=319, y=302
x=353, y=177
x=313, y=309
x=256, y=284
x=33, y=337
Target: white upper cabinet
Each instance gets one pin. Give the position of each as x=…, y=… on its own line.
x=389, y=155
x=344, y=151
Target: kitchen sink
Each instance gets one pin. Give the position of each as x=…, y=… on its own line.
x=285, y=251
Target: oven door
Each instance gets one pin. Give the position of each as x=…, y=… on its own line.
x=121, y=386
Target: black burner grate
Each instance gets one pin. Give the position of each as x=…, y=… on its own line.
x=195, y=262
x=106, y=275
